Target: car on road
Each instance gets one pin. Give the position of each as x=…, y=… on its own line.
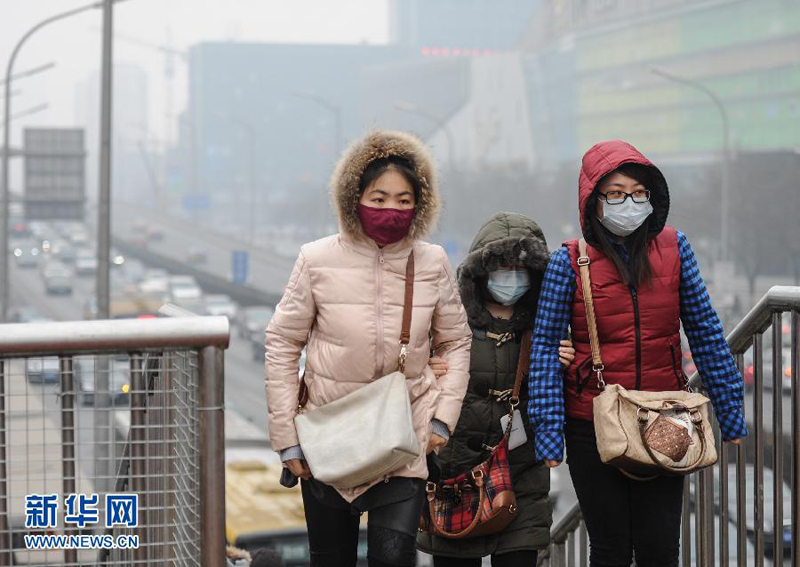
x=85, y=262
x=155, y=284
x=58, y=285
x=197, y=255
x=63, y=251
x=42, y=369
x=27, y=256
x=182, y=288
x=785, y=530
x=27, y=314
x=253, y=319
x=220, y=304
x=119, y=383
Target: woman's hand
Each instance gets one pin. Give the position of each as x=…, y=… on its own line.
x=551, y=464
x=436, y=442
x=299, y=468
x=566, y=354
x=439, y=367
x=735, y=441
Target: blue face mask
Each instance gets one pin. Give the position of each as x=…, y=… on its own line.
x=507, y=286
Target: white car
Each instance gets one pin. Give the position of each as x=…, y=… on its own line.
x=183, y=288
x=85, y=263
x=155, y=284
x=42, y=369
x=220, y=304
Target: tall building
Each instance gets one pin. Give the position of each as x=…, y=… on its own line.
x=273, y=115
x=55, y=184
x=464, y=90
x=463, y=25
x=131, y=178
x=636, y=70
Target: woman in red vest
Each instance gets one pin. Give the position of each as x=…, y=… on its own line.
x=645, y=283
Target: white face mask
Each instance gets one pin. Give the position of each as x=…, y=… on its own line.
x=507, y=286
x=623, y=219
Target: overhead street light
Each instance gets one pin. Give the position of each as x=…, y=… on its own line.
x=726, y=161
x=4, y=190
x=28, y=112
x=29, y=72
x=5, y=195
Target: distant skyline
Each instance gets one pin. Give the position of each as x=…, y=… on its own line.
x=74, y=44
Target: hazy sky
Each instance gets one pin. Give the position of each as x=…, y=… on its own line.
x=74, y=44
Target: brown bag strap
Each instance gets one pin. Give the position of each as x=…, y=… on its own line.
x=591, y=320
x=405, y=330
x=523, y=365
x=408, y=307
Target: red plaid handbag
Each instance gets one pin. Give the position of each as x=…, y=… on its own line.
x=481, y=501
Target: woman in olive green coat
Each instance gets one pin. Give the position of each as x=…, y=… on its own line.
x=499, y=283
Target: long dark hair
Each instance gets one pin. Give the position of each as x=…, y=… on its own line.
x=638, y=271
x=379, y=166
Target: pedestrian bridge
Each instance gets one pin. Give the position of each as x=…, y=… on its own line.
x=65, y=387
x=745, y=510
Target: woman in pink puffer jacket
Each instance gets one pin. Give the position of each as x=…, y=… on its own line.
x=344, y=303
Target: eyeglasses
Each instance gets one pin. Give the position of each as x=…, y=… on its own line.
x=618, y=197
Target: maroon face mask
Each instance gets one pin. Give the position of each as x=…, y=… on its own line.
x=385, y=226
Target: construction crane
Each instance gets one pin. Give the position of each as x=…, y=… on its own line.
x=170, y=54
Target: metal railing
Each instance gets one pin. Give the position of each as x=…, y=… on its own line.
x=131, y=407
x=741, y=511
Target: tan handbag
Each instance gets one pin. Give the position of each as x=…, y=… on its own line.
x=368, y=433
x=481, y=501
x=645, y=434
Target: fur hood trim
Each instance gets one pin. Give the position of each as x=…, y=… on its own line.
x=379, y=144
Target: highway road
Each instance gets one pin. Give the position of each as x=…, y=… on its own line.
x=269, y=270
x=244, y=377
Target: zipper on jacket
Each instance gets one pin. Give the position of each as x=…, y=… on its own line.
x=638, y=329
x=379, y=354
x=679, y=376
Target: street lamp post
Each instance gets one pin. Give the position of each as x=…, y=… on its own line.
x=103, y=282
x=4, y=200
x=726, y=160
x=412, y=108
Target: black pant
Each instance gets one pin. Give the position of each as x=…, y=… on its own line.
x=513, y=559
x=333, y=524
x=623, y=516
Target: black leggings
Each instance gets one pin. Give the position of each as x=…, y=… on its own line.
x=623, y=516
x=333, y=527
x=513, y=559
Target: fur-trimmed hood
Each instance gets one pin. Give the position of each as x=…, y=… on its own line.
x=505, y=239
x=379, y=144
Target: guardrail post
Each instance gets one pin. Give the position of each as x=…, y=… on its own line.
x=5, y=535
x=795, y=438
x=68, y=441
x=138, y=454
x=212, y=456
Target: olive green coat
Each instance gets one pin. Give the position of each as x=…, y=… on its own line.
x=505, y=239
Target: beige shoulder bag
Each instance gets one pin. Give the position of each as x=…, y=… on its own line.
x=368, y=433
x=645, y=433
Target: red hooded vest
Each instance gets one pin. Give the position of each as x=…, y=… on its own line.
x=639, y=329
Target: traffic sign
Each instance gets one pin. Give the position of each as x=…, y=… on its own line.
x=241, y=261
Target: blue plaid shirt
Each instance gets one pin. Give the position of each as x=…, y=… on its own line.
x=701, y=324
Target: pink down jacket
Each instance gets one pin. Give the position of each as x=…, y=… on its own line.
x=344, y=303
